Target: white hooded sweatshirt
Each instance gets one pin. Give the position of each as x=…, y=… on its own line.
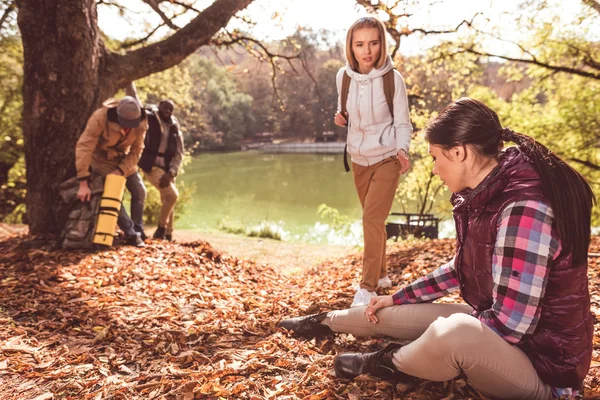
x=373, y=134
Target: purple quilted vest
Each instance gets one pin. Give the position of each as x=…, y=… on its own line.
x=560, y=349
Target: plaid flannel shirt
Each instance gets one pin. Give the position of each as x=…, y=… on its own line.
x=525, y=244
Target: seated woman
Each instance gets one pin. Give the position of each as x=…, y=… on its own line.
x=522, y=220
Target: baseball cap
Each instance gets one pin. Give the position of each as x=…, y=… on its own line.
x=129, y=112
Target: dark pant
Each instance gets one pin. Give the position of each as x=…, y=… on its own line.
x=136, y=187
x=125, y=223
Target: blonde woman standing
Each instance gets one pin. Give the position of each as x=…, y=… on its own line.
x=379, y=133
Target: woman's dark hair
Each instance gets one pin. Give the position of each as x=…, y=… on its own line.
x=470, y=122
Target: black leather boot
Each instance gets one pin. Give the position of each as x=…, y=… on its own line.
x=159, y=233
x=378, y=364
x=309, y=325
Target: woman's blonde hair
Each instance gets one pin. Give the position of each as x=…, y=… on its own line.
x=366, y=22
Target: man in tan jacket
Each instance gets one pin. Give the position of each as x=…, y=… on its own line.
x=112, y=143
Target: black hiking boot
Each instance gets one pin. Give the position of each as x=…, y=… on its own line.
x=169, y=237
x=378, y=364
x=308, y=325
x=135, y=240
x=159, y=233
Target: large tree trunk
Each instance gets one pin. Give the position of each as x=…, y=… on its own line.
x=67, y=74
x=62, y=56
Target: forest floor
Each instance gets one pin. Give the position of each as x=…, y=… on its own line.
x=185, y=320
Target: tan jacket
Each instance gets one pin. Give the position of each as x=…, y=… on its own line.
x=105, y=143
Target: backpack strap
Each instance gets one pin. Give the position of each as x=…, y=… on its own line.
x=389, y=89
x=344, y=93
x=344, y=111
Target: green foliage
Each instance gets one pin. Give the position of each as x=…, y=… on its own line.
x=565, y=120
x=14, y=192
x=419, y=186
x=228, y=111
x=12, y=174
x=432, y=81
x=264, y=229
x=153, y=202
x=228, y=226
x=327, y=107
x=339, y=223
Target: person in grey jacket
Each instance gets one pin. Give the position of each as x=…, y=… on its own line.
x=378, y=142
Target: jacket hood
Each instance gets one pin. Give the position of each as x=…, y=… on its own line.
x=374, y=73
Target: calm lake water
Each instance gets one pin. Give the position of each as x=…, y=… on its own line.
x=248, y=188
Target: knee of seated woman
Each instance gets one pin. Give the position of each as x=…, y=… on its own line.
x=456, y=330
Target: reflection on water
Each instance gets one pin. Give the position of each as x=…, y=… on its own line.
x=285, y=189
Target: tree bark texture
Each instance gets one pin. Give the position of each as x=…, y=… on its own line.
x=68, y=72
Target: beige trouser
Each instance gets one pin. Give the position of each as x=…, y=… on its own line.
x=168, y=198
x=376, y=186
x=448, y=341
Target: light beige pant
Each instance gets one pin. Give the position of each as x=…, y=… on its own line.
x=376, y=186
x=447, y=342
x=168, y=198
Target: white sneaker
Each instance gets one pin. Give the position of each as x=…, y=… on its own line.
x=362, y=298
x=385, y=282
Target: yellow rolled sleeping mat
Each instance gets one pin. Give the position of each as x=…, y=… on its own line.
x=110, y=204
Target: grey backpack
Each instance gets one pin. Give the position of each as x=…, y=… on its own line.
x=80, y=217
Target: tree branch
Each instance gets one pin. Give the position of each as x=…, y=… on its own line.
x=154, y=5
x=408, y=32
x=7, y=12
x=391, y=25
x=592, y=3
x=557, y=68
x=186, y=6
x=122, y=9
x=134, y=43
x=312, y=78
x=171, y=51
x=268, y=55
x=128, y=45
x=588, y=164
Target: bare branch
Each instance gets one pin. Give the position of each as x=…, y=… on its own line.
x=128, y=45
x=186, y=6
x=134, y=43
x=557, y=68
x=590, y=62
x=7, y=12
x=312, y=78
x=588, y=164
x=122, y=9
x=171, y=51
x=592, y=3
x=235, y=38
x=154, y=5
x=468, y=23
